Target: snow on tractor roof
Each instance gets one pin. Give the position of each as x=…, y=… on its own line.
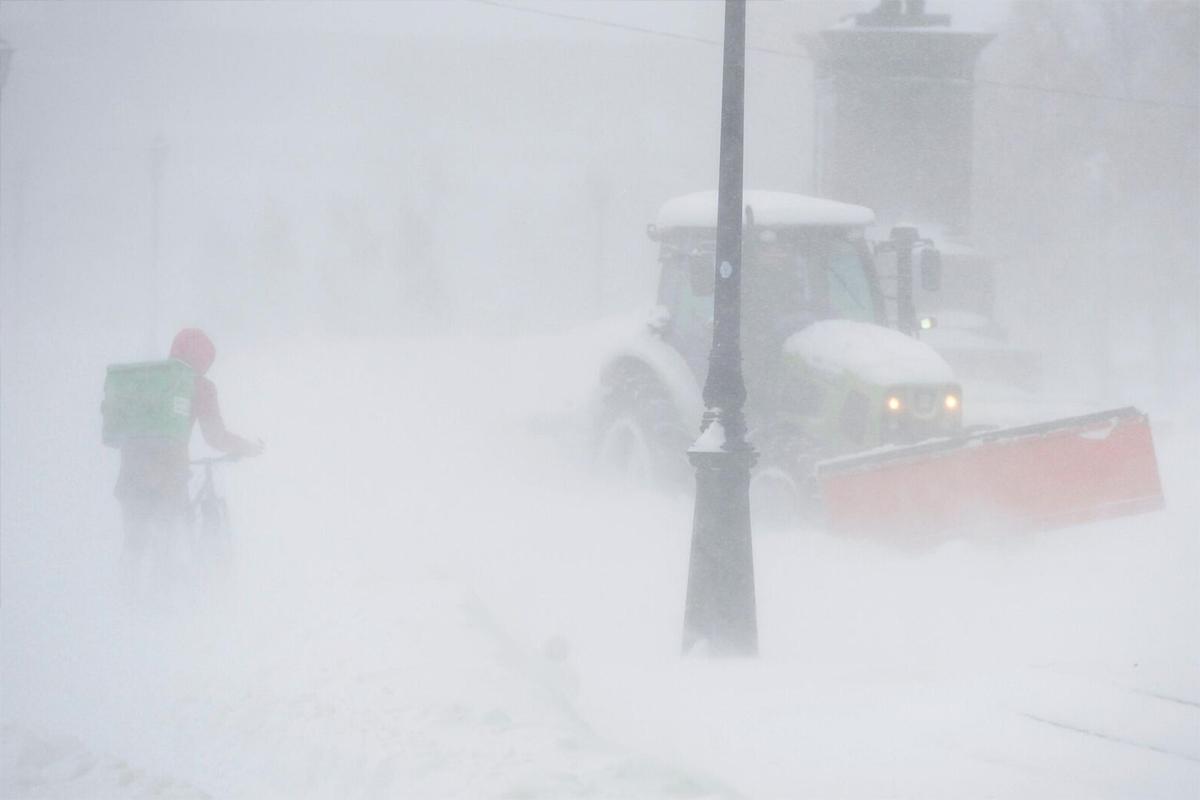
x=772, y=209
x=880, y=355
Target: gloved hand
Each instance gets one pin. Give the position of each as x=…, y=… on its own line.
x=252, y=449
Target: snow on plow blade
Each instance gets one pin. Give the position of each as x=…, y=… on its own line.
x=1048, y=475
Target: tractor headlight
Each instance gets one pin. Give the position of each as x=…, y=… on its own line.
x=894, y=404
x=951, y=402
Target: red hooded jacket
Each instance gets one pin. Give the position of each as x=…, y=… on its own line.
x=160, y=467
x=194, y=348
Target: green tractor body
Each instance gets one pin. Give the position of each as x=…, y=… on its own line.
x=825, y=376
x=852, y=386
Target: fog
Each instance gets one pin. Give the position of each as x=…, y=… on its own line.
x=414, y=232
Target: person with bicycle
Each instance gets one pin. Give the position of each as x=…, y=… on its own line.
x=152, y=486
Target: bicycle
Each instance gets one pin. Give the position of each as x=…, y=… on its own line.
x=208, y=518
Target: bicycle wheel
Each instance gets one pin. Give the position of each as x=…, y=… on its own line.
x=215, y=537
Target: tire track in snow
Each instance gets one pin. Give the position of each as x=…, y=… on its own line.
x=1108, y=737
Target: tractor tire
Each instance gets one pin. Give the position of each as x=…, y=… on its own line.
x=640, y=440
x=784, y=494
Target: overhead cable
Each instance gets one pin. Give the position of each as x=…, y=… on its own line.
x=634, y=28
x=799, y=56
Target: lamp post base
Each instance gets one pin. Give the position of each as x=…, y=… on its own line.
x=720, y=615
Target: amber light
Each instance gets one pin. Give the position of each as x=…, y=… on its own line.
x=951, y=402
x=893, y=403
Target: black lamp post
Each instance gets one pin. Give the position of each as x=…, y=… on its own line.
x=720, y=614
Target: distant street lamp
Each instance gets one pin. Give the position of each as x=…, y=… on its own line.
x=6, y=53
x=158, y=159
x=720, y=613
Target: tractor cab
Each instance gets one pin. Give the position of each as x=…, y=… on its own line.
x=818, y=356
x=803, y=260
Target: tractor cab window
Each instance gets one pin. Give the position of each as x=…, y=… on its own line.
x=795, y=277
x=781, y=267
x=850, y=286
x=777, y=294
x=791, y=278
x=700, y=264
x=686, y=290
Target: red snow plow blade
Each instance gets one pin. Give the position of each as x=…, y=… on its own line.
x=1033, y=477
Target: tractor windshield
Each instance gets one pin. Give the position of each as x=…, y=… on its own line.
x=791, y=277
x=850, y=295
x=795, y=277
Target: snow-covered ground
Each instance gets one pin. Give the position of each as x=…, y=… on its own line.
x=433, y=598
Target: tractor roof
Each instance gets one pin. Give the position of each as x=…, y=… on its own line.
x=771, y=209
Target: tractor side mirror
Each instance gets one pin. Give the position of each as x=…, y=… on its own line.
x=931, y=269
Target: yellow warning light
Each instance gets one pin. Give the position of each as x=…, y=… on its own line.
x=893, y=403
x=951, y=402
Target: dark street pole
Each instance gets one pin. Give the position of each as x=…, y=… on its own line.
x=158, y=158
x=720, y=614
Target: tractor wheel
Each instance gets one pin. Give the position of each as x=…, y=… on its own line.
x=639, y=439
x=623, y=452
x=784, y=494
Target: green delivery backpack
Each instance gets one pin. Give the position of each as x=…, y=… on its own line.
x=152, y=399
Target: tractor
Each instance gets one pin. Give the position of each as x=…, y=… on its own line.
x=836, y=395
